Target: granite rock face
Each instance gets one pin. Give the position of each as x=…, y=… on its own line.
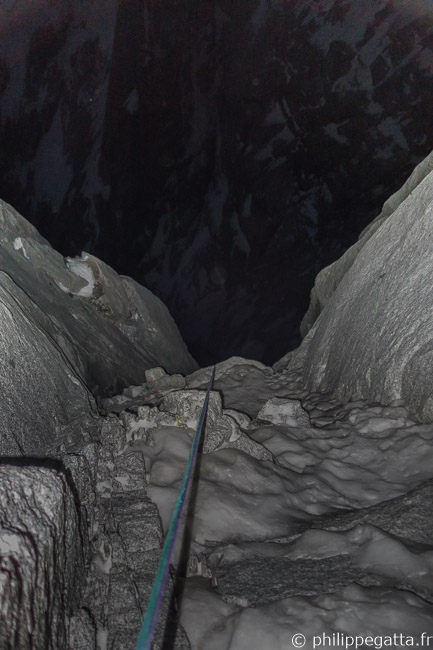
x=110, y=328
x=72, y=517
x=41, y=392
x=42, y=557
x=375, y=336
x=124, y=548
x=330, y=277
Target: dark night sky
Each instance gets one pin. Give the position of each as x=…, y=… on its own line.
x=219, y=152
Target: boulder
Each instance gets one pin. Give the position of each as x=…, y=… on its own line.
x=284, y=411
x=188, y=404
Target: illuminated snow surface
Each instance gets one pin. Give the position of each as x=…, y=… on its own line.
x=297, y=539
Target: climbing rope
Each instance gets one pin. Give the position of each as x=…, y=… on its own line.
x=147, y=631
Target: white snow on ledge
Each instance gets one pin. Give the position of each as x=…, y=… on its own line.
x=79, y=267
x=19, y=246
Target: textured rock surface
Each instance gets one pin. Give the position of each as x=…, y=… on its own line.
x=408, y=517
x=41, y=392
x=330, y=277
x=42, y=558
x=375, y=336
x=189, y=403
x=125, y=545
x=110, y=328
x=262, y=580
x=74, y=572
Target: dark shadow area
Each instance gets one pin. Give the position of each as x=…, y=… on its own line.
x=220, y=153
x=33, y=461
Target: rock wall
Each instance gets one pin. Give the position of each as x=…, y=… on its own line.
x=110, y=328
x=41, y=557
x=329, y=278
x=375, y=335
x=69, y=327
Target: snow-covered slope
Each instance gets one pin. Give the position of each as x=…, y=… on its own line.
x=221, y=153
x=312, y=517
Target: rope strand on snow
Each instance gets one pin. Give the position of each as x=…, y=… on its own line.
x=147, y=631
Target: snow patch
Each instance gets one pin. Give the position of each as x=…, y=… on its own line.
x=19, y=246
x=79, y=267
